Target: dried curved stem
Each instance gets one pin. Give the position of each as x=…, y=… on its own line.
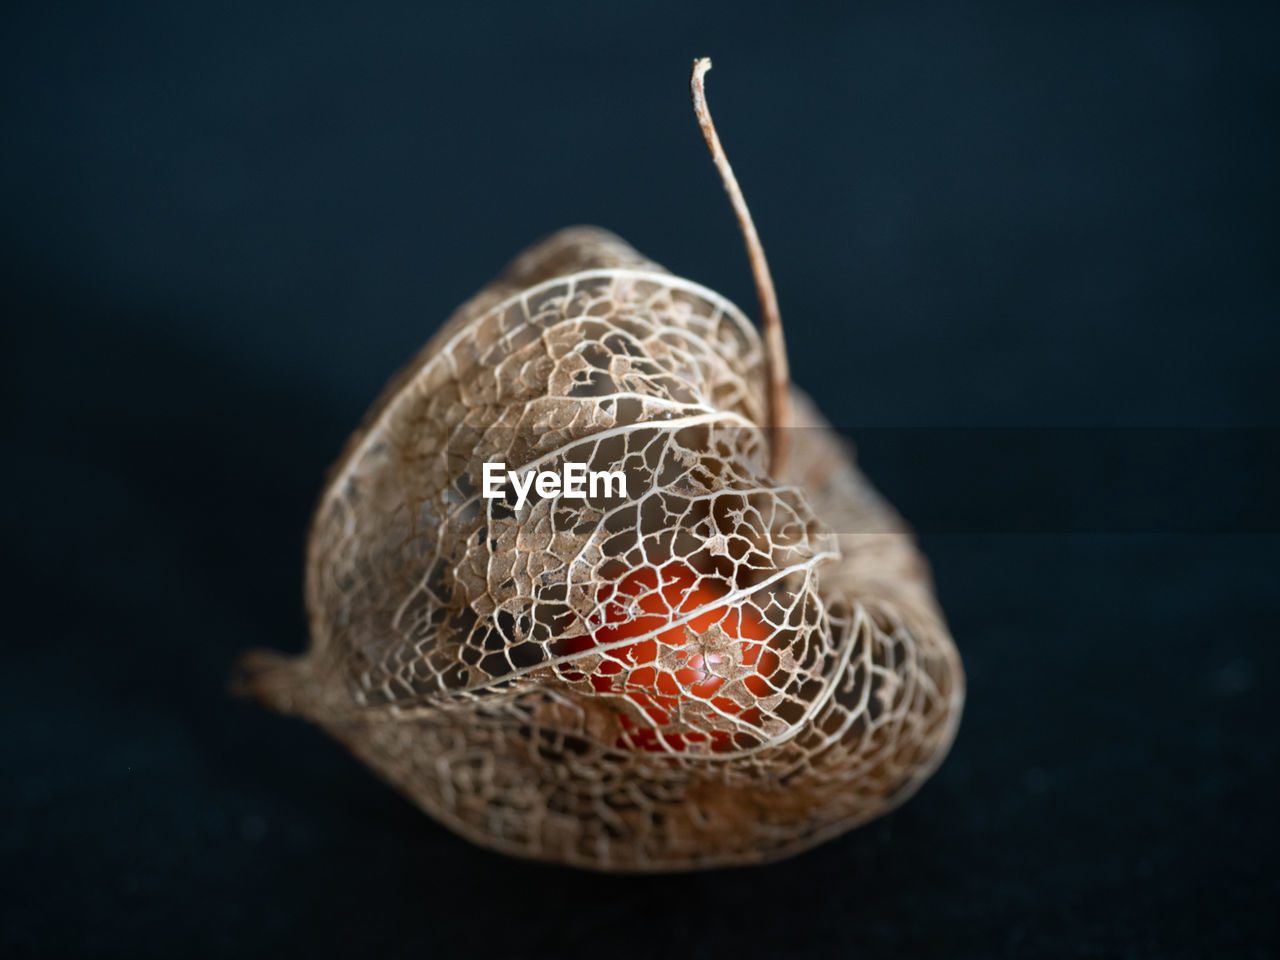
x=775, y=346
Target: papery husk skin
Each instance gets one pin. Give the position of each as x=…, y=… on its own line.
x=440, y=620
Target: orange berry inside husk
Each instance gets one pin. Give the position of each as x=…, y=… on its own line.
x=662, y=595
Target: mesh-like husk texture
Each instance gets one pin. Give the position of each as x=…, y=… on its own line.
x=458, y=644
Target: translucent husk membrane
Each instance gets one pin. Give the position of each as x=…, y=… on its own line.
x=722, y=668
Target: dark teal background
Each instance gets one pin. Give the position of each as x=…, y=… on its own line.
x=225, y=225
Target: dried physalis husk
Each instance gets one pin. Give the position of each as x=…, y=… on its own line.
x=736, y=660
